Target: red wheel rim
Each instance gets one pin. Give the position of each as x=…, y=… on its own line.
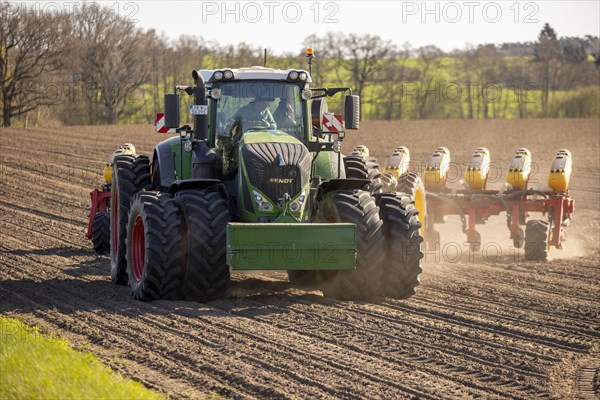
x=115, y=221
x=138, y=248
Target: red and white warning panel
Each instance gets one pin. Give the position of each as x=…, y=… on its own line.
x=160, y=124
x=332, y=122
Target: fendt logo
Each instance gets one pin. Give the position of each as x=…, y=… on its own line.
x=281, y=180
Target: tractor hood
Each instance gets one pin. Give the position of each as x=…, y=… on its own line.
x=268, y=136
x=274, y=164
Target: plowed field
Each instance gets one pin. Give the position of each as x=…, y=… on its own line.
x=488, y=325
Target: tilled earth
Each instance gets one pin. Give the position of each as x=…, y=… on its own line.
x=486, y=325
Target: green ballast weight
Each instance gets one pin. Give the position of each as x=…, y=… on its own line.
x=294, y=246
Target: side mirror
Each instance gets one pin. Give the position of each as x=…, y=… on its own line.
x=352, y=112
x=171, y=110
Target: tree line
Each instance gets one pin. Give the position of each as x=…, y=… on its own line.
x=92, y=66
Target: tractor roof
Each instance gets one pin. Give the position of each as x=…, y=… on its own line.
x=256, y=72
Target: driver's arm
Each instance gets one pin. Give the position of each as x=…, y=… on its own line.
x=268, y=117
x=237, y=119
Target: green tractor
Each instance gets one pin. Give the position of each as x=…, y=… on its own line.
x=258, y=182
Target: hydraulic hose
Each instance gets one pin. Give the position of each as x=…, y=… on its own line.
x=504, y=204
x=454, y=204
x=524, y=193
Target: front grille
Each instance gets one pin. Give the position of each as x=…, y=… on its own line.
x=277, y=168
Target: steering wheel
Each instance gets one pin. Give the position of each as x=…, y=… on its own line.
x=238, y=126
x=255, y=124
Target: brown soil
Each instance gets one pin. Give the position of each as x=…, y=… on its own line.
x=490, y=327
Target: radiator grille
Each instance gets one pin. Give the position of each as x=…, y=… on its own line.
x=277, y=168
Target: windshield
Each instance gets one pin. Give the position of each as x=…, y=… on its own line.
x=252, y=105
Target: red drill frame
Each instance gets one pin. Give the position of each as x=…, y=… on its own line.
x=476, y=206
x=100, y=200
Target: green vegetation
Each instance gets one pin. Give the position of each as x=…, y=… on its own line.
x=446, y=92
x=36, y=366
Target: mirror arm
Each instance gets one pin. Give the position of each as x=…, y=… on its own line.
x=188, y=89
x=328, y=92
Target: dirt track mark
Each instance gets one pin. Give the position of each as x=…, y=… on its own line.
x=434, y=362
x=588, y=378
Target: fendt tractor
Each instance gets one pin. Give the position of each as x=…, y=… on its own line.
x=258, y=182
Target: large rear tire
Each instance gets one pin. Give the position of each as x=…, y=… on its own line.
x=358, y=167
x=357, y=207
x=101, y=232
x=131, y=174
x=205, y=216
x=402, y=245
x=537, y=237
x=154, y=262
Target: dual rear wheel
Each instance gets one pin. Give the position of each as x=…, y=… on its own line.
x=154, y=252
x=164, y=246
x=176, y=246
x=388, y=240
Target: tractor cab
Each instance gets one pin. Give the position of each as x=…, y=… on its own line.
x=259, y=105
x=256, y=98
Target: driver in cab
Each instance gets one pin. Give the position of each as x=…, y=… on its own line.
x=255, y=115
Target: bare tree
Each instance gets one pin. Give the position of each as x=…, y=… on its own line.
x=158, y=52
x=468, y=74
x=113, y=63
x=393, y=75
x=430, y=63
x=488, y=64
x=30, y=55
x=363, y=57
x=547, y=54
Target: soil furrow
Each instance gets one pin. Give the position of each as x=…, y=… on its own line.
x=164, y=328
x=564, y=328
x=443, y=370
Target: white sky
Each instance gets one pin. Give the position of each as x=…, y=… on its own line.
x=282, y=25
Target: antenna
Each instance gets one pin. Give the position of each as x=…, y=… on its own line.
x=265, y=62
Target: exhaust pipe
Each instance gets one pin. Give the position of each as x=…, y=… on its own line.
x=200, y=121
x=205, y=164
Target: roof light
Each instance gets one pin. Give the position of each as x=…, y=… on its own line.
x=218, y=75
x=302, y=76
x=293, y=75
x=228, y=74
